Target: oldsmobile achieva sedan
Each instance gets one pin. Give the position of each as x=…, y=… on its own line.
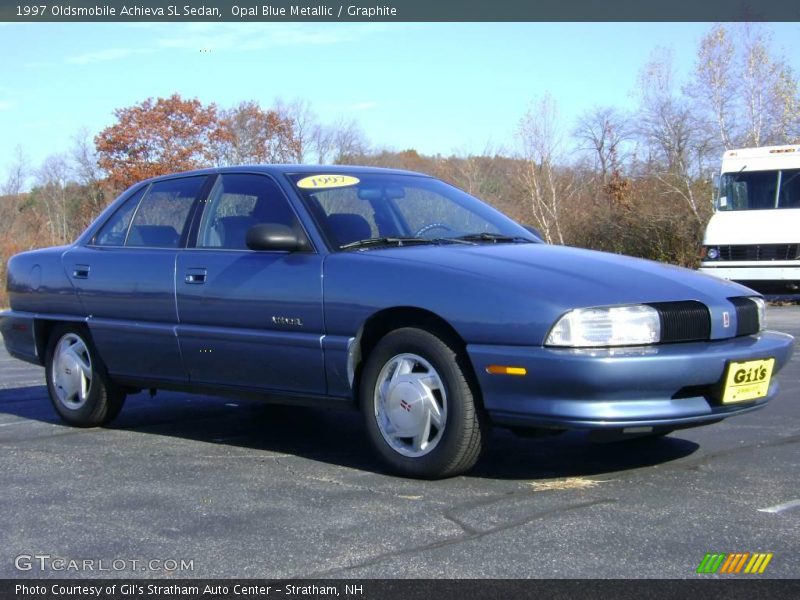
x=385, y=290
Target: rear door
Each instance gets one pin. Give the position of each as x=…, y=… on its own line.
x=126, y=280
x=250, y=319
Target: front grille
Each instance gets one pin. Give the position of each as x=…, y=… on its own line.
x=760, y=252
x=683, y=321
x=746, y=316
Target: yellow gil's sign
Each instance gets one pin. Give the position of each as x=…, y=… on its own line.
x=747, y=380
x=321, y=182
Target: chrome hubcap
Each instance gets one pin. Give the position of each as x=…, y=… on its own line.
x=410, y=405
x=71, y=372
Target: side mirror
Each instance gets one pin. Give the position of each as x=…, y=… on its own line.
x=273, y=236
x=715, y=188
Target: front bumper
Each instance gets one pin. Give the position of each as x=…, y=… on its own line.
x=746, y=271
x=674, y=385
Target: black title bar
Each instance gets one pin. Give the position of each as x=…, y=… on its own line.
x=398, y=10
x=741, y=588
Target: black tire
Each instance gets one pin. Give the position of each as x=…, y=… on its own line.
x=465, y=427
x=102, y=401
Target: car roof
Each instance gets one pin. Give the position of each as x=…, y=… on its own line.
x=287, y=169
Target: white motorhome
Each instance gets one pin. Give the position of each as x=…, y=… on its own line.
x=754, y=235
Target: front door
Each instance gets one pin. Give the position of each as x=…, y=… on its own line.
x=247, y=319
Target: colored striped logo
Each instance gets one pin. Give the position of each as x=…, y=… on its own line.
x=735, y=563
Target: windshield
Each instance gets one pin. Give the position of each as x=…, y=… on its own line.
x=387, y=209
x=759, y=190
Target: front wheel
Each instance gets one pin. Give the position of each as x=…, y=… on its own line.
x=79, y=388
x=421, y=411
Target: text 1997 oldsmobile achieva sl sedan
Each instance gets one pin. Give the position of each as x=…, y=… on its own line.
x=386, y=290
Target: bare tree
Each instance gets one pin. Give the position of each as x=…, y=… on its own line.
x=678, y=143
x=87, y=174
x=787, y=99
x=341, y=142
x=748, y=95
x=665, y=120
x=769, y=93
x=714, y=82
x=546, y=189
x=18, y=172
x=757, y=73
x=304, y=126
x=12, y=190
x=602, y=131
x=51, y=183
x=472, y=171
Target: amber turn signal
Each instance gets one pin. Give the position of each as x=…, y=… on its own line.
x=503, y=370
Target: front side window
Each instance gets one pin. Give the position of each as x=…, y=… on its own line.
x=759, y=190
x=237, y=202
x=162, y=217
x=406, y=208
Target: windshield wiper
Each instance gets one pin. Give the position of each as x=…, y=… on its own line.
x=386, y=241
x=495, y=238
x=470, y=239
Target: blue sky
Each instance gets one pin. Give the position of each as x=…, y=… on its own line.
x=437, y=87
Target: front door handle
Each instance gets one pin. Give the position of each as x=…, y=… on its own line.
x=195, y=276
x=81, y=272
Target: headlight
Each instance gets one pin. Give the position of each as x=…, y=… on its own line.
x=762, y=312
x=610, y=326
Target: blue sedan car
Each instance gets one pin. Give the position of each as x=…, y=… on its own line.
x=385, y=290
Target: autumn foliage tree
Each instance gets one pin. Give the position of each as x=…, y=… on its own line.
x=249, y=134
x=155, y=137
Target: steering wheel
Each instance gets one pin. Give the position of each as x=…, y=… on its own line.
x=430, y=226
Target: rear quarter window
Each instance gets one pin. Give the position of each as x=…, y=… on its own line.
x=115, y=230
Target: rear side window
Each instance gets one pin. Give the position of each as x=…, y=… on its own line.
x=163, y=215
x=116, y=228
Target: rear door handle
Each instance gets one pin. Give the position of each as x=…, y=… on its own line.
x=81, y=272
x=196, y=276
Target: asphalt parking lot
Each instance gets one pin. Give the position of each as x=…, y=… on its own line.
x=251, y=490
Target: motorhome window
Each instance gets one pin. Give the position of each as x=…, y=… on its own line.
x=751, y=190
x=789, y=194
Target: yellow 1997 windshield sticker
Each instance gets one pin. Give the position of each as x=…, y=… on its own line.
x=321, y=182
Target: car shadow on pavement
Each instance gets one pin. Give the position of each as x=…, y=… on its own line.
x=337, y=437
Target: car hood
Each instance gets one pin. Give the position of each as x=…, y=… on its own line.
x=509, y=293
x=571, y=276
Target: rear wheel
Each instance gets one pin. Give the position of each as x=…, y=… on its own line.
x=79, y=388
x=421, y=410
